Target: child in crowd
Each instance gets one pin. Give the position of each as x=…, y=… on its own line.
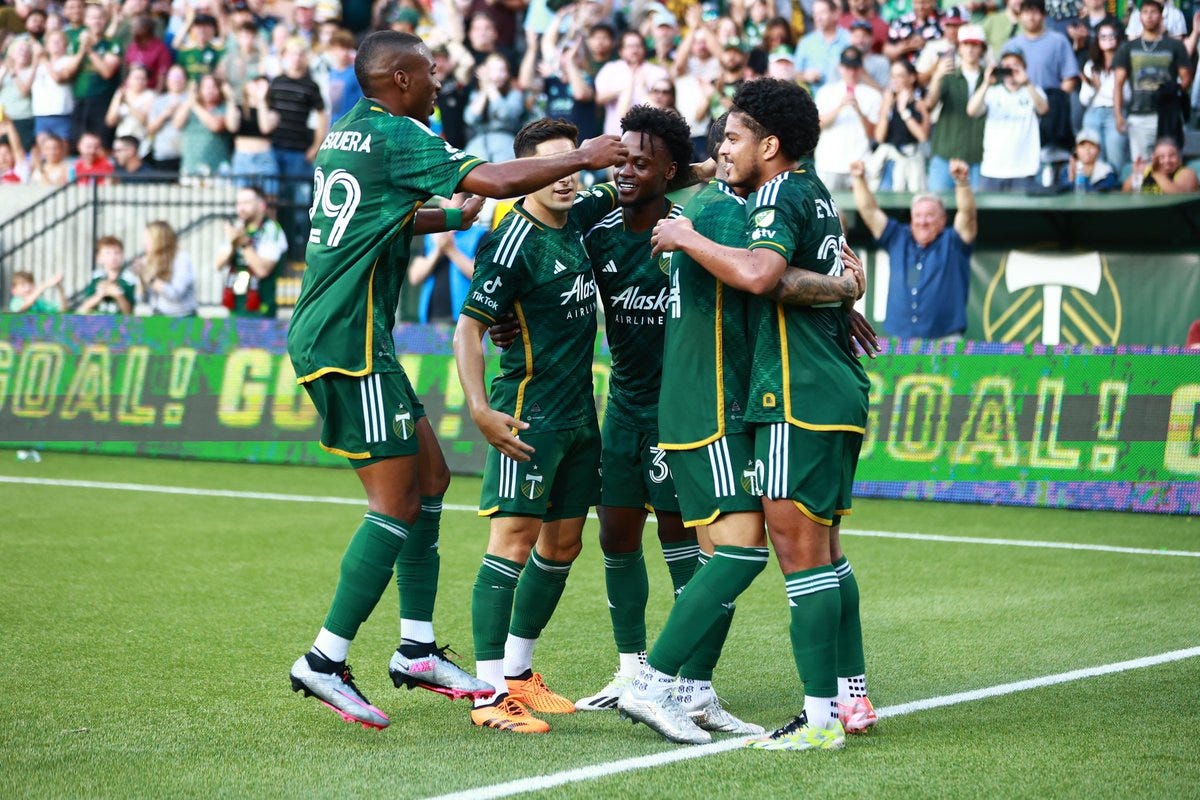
x=27, y=296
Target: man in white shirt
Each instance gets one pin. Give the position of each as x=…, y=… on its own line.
x=849, y=109
x=625, y=83
x=1011, y=141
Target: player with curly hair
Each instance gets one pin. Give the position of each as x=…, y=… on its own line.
x=807, y=405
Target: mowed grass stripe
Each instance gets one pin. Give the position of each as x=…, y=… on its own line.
x=542, y=782
x=357, y=501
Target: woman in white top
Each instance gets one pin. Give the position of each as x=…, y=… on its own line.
x=168, y=283
x=16, y=81
x=53, y=95
x=129, y=111
x=1096, y=96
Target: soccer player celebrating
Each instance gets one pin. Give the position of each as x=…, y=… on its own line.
x=372, y=172
x=633, y=288
x=542, y=472
x=807, y=400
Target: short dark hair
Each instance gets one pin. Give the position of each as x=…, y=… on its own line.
x=669, y=126
x=716, y=136
x=132, y=141
x=377, y=47
x=603, y=26
x=1036, y=5
x=542, y=130
x=781, y=109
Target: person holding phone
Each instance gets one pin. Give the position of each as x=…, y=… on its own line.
x=1012, y=142
x=849, y=112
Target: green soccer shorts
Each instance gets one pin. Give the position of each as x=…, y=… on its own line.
x=368, y=418
x=717, y=478
x=560, y=481
x=634, y=472
x=813, y=469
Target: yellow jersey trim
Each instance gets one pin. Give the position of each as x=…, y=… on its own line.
x=843, y=512
x=487, y=512
x=470, y=163
x=719, y=335
x=520, y=209
x=480, y=313
x=370, y=337
x=819, y=520
x=788, y=416
x=343, y=453
x=528, y=345
x=765, y=243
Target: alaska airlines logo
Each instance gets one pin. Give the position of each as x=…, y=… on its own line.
x=582, y=288
x=633, y=300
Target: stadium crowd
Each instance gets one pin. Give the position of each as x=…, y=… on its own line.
x=202, y=89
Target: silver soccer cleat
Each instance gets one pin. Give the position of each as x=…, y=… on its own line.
x=337, y=691
x=662, y=713
x=437, y=674
x=712, y=716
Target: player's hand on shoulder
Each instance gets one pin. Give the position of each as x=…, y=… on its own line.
x=497, y=428
x=604, y=151
x=669, y=234
x=504, y=332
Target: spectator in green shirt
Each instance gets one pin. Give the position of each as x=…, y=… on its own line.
x=96, y=66
x=200, y=56
x=112, y=290
x=27, y=296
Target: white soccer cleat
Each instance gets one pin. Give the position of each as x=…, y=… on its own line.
x=605, y=699
x=660, y=711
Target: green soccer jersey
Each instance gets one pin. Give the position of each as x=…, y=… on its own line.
x=543, y=276
x=803, y=372
x=372, y=173
x=633, y=289
x=88, y=82
x=706, y=360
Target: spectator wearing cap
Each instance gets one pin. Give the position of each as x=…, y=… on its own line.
x=863, y=11
x=304, y=21
x=849, y=110
x=1051, y=66
x=148, y=50
x=909, y=34
x=956, y=135
x=781, y=65
x=200, y=55
x=876, y=68
x=626, y=82
x=818, y=51
x=1011, y=139
x=1154, y=66
x=1086, y=171
x=933, y=51
x=930, y=263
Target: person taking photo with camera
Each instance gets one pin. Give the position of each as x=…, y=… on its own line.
x=1011, y=140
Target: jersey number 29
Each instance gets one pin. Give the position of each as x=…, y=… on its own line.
x=340, y=211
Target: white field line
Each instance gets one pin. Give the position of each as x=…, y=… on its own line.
x=542, y=782
x=358, y=501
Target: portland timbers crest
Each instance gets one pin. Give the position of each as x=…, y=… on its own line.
x=533, y=485
x=751, y=479
x=664, y=263
x=402, y=422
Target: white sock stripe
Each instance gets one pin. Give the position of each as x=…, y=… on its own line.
x=542, y=565
x=756, y=557
x=503, y=569
x=843, y=570
x=830, y=586
x=681, y=553
x=387, y=525
x=820, y=576
x=432, y=509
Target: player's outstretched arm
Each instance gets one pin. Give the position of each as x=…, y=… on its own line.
x=754, y=271
x=497, y=427
x=524, y=175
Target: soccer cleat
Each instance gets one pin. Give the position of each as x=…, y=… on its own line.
x=858, y=716
x=799, y=735
x=437, y=674
x=508, y=715
x=713, y=717
x=533, y=692
x=606, y=698
x=661, y=712
x=333, y=685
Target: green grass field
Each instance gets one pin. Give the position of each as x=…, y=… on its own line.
x=149, y=636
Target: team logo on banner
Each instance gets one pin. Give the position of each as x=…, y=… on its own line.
x=1052, y=299
x=402, y=422
x=533, y=486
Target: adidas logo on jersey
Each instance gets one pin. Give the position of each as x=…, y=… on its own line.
x=611, y=266
x=633, y=300
x=583, y=287
x=559, y=266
